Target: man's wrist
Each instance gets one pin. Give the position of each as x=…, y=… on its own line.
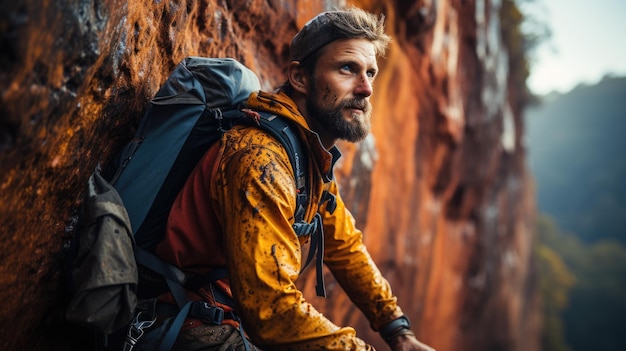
x=401, y=332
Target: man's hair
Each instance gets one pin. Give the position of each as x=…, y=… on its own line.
x=352, y=23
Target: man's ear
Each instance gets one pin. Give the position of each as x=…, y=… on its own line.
x=297, y=77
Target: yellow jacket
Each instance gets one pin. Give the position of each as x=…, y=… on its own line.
x=254, y=179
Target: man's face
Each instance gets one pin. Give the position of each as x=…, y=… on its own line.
x=338, y=100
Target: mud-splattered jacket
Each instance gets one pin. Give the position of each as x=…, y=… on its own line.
x=237, y=210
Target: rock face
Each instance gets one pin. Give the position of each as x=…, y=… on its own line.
x=441, y=187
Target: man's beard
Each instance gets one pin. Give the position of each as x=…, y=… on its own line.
x=332, y=119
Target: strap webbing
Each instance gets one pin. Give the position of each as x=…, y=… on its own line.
x=174, y=329
x=174, y=277
x=320, y=287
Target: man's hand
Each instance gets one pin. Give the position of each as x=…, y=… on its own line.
x=408, y=342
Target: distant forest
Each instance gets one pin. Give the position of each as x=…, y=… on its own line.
x=575, y=145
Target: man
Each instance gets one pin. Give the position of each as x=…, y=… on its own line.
x=237, y=208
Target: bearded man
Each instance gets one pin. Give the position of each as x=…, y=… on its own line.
x=236, y=211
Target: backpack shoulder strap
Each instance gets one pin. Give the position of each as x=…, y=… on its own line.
x=285, y=133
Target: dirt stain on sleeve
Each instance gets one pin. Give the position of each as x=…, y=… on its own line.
x=277, y=264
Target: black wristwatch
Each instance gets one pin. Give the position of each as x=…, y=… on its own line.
x=388, y=331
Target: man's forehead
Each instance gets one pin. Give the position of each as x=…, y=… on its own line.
x=357, y=49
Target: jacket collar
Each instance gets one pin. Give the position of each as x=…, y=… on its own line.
x=281, y=104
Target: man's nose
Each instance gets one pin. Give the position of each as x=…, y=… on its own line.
x=364, y=86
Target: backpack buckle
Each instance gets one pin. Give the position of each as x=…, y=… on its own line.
x=136, y=331
x=207, y=313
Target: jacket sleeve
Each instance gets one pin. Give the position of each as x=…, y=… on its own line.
x=255, y=192
x=352, y=266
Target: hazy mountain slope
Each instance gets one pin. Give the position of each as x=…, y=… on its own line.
x=576, y=148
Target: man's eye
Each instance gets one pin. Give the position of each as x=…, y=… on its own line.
x=346, y=68
x=371, y=74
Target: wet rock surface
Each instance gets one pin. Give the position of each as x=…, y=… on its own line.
x=441, y=187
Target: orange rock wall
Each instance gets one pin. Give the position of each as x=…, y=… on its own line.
x=440, y=188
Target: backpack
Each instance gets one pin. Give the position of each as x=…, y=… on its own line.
x=125, y=218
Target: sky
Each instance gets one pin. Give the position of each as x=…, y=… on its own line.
x=588, y=42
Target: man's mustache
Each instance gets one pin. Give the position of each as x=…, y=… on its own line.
x=357, y=103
